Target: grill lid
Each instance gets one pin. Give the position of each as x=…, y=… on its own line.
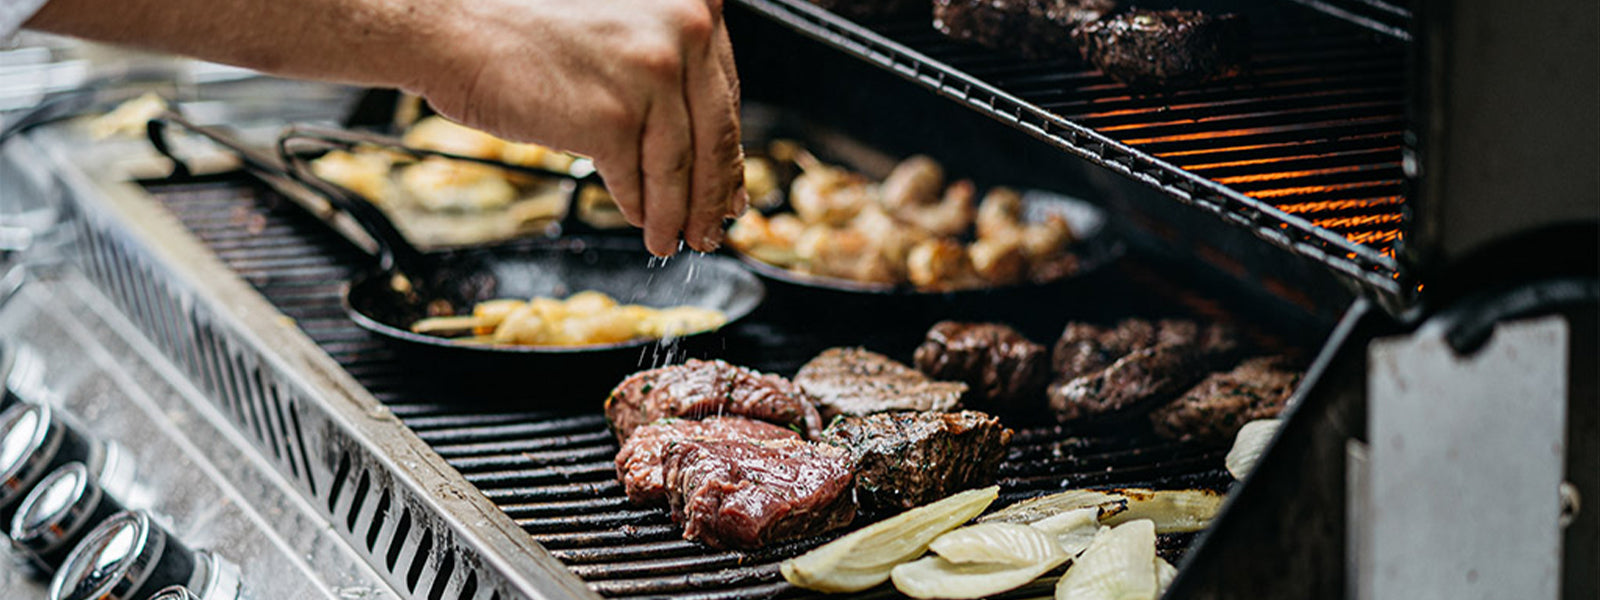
x=1304, y=149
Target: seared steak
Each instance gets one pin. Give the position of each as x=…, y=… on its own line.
x=1000, y=366
x=699, y=389
x=746, y=493
x=639, y=462
x=875, y=9
x=1150, y=48
x=907, y=459
x=1085, y=348
x=1215, y=410
x=855, y=381
x=1161, y=362
x=1031, y=28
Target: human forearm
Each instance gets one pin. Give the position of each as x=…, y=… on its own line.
x=372, y=42
x=647, y=88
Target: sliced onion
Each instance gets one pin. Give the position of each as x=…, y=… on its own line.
x=936, y=577
x=864, y=558
x=1073, y=530
x=996, y=543
x=1173, y=511
x=1119, y=565
x=1249, y=446
x=1165, y=573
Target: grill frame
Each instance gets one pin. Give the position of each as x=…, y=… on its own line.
x=1363, y=266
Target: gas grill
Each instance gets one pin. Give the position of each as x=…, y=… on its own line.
x=1287, y=202
x=552, y=472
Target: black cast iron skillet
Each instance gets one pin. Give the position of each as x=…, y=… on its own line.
x=407, y=285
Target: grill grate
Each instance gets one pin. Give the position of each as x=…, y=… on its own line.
x=1305, y=148
x=552, y=472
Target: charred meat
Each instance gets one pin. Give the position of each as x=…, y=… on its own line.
x=747, y=493
x=702, y=388
x=1031, y=28
x=855, y=381
x=1149, y=48
x=1084, y=348
x=906, y=459
x=640, y=461
x=1161, y=361
x=1215, y=409
x=999, y=365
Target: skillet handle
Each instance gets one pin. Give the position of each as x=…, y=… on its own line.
x=253, y=160
x=582, y=173
x=395, y=252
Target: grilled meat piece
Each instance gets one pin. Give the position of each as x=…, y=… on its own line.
x=639, y=462
x=874, y=9
x=702, y=388
x=1084, y=348
x=1215, y=409
x=1134, y=366
x=1149, y=48
x=855, y=381
x=747, y=493
x=907, y=459
x=999, y=365
x=1031, y=28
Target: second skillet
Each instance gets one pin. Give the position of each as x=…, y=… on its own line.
x=407, y=285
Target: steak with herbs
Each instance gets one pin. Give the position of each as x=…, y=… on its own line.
x=855, y=381
x=1134, y=366
x=741, y=493
x=1031, y=28
x=1151, y=48
x=640, y=465
x=1215, y=409
x=1000, y=367
x=907, y=459
x=704, y=388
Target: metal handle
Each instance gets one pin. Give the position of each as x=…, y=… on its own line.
x=582, y=172
x=395, y=252
x=252, y=159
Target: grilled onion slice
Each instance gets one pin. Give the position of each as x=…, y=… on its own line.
x=980, y=560
x=996, y=543
x=1173, y=511
x=1074, y=529
x=865, y=557
x=936, y=577
x=1249, y=446
x=1119, y=565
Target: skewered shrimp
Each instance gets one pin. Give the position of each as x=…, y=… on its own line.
x=585, y=318
x=771, y=241
x=916, y=181
x=365, y=173
x=998, y=261
x=440, y=184
x=843, y=253
x=941, y=264
x=951, y=216
x=829, y=195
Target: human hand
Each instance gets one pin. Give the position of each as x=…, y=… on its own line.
x=646, y=88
